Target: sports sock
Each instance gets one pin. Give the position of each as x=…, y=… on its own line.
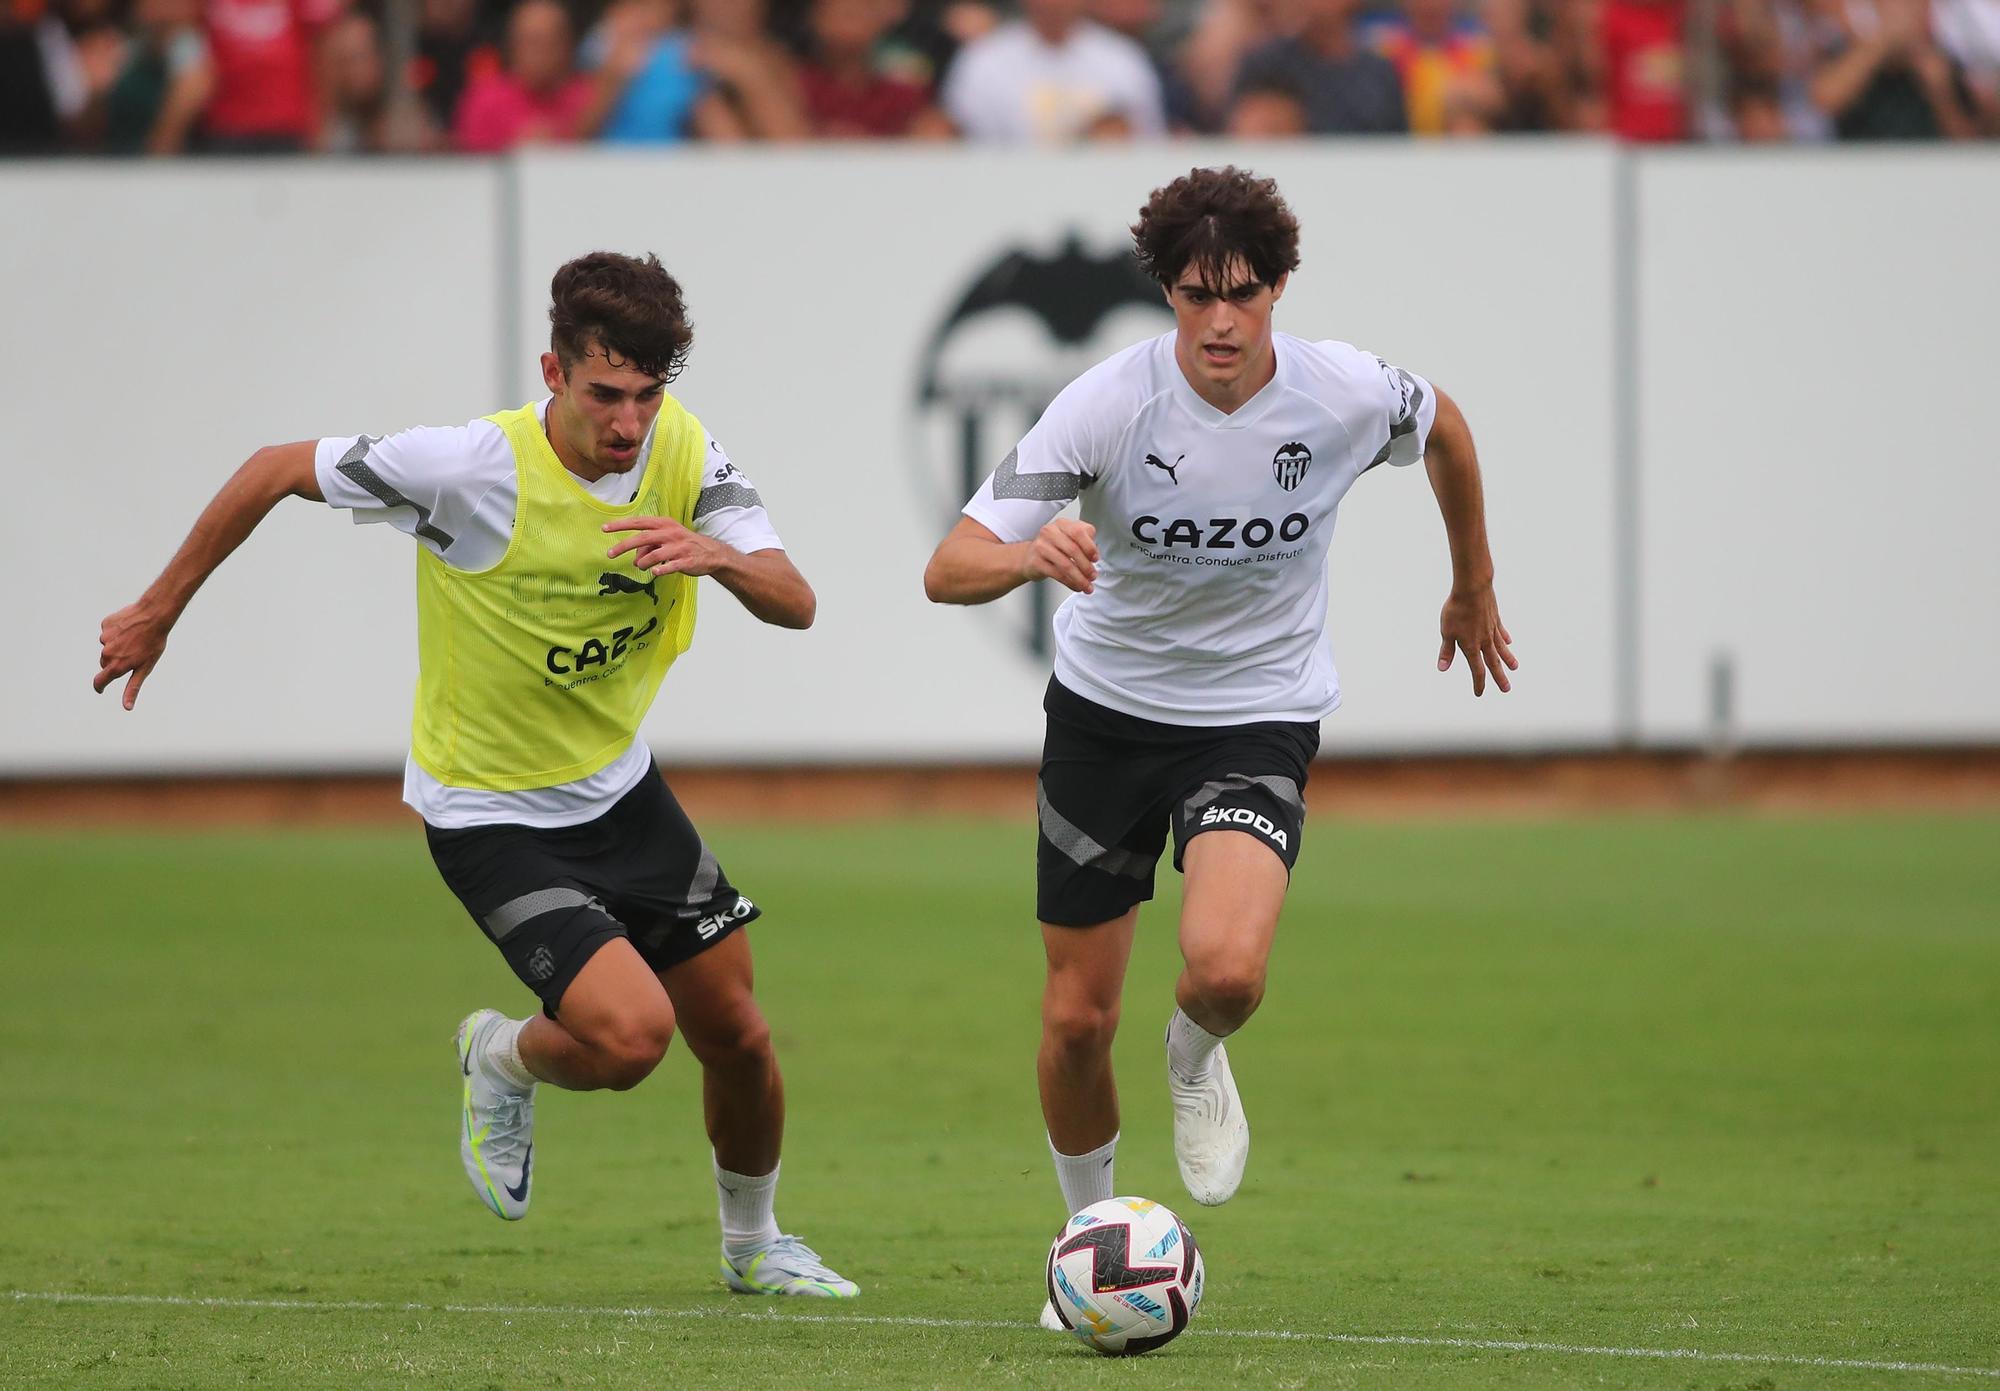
x=502, y=1053
x=746, y=1201
x=1188, y=1047
x=1085, y=1178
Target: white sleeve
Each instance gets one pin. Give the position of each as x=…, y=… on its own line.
x=729, y=508
x=1054, y=462
x=425, y=481
x=1409, y=409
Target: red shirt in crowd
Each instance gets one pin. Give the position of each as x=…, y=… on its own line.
x=1645, y=68
x=882, y=106
x=497, y=113
x=262, y=56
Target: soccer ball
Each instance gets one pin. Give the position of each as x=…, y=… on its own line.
x=1125, y=1276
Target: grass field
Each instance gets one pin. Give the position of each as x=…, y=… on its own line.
x=1701, y=1103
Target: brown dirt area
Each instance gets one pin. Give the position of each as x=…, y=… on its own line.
x=1540, y=785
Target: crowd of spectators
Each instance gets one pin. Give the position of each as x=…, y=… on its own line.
x=165, y=77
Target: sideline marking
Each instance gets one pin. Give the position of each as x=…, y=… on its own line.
x=914, y=1321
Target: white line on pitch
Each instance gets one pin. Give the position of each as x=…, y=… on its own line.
x=915, y=1321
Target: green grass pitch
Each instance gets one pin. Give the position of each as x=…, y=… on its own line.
x=1703, y=1103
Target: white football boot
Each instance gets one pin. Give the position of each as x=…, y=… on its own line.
x=496, y=1126
x=786, y=1266
x=1050, y=1319
x=1211, y=1134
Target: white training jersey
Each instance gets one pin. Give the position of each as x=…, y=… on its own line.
x=1212, y=529
x=454, y=489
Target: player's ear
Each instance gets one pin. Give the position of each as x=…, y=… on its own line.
x=553, y=376
x=1278, y=287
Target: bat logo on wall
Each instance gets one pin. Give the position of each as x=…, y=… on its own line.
x=1018, y=334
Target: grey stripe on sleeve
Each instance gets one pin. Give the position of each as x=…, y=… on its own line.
x=1010, y=482
x=378, y=488
x=725, y=495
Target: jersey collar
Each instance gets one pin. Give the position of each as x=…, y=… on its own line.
x=1244, y=415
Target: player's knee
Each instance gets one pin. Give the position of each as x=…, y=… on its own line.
x=1231, y=989
x=628, y=1053
x=1079, y=1026
x=742, y=1043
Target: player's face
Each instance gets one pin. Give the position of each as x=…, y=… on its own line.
x=603, y=407
x=1224, y=337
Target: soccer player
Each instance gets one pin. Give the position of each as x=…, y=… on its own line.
x=1191, y=661
x=560, y=546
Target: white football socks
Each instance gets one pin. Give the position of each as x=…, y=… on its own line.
x=1085, y=1178
x=746, y=1203
x=502, y=1054
x=1188, y=1047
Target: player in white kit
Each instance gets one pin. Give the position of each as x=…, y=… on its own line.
x=1192, y=666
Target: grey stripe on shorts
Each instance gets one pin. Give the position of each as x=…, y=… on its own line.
x=503, y=922
x=1076, y=843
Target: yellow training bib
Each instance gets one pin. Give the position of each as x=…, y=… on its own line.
x=538, y=670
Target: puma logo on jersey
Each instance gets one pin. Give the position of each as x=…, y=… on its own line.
x=1155, y=461
x=611, y=582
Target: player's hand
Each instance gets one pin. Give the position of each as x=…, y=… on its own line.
x=1064, y=551
x=130, y=642
x=1471, y=624
x=665, y=547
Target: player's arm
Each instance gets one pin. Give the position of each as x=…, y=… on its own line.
x=763, y=581
x=974, y=566
x=1470, y=622
x=132, y=639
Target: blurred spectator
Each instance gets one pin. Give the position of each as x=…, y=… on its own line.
x=927, y=35
x=43, y=90
x=1053, y=76
x=1268, y=110
x=455, y=45
x=846, y=93
x=1883, y=77
x=156, y=102
x=1576, y=35
x=537, y=96
x=1347, y=89
x=1645, y=68
x=1527, y=72
x=1969, y=33
x=648, y=85
x=261, y=52
x=1141, y=22
x=755, y=92
x=1225, y=31
x=1769, y=46
x=1445, y=60
x=362, y=114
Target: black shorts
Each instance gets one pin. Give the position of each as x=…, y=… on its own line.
x=549, y=898
x=1112, y=784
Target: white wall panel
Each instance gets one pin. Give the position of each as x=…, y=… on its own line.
x=161, y=324
x=1820, y=338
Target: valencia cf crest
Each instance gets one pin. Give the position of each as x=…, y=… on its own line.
x=1290, y=464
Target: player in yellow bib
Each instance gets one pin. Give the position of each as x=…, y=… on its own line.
x=560, y=549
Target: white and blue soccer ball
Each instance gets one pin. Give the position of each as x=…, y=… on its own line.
x=1125, y=1276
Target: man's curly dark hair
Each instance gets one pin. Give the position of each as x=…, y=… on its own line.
x=1207, y=218
x=629, y=308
